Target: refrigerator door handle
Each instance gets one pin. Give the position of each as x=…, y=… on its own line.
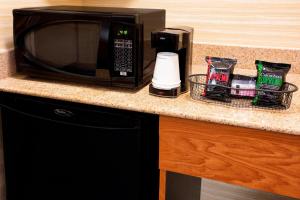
x=69, y=123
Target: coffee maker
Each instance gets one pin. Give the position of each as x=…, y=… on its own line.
x=177, y=40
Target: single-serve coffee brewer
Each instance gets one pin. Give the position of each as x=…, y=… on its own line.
x=173, y=61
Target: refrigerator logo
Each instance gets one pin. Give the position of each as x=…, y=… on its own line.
x=63, y=112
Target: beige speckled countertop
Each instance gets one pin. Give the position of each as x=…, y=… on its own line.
x=283, y=121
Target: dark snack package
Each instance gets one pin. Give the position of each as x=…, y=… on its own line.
x=218, y=74
x=270, y=76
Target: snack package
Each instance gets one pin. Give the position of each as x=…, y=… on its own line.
x=270, y=76
x=219, y=74
x=243, y=86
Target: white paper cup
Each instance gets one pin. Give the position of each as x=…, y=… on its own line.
x=166, y=73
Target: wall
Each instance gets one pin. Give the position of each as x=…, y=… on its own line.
x=214, y=190
x=6, y=7
x=260, y=23
x=184, y=187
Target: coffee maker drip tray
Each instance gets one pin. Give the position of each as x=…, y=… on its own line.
x=170, y=93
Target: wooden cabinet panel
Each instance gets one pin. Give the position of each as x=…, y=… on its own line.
x=162, y=185
x=266, y=161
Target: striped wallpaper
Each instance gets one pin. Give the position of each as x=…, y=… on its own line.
x=259, y=23
x=254, y=23
x=6, y=7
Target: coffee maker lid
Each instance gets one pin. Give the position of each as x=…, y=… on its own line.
x=175, y=30
x=170, y=38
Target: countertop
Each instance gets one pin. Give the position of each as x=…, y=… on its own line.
x=282, y=121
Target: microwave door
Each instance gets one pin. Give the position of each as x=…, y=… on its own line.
x=103, y=62
x=67, y=47
x=47, y=67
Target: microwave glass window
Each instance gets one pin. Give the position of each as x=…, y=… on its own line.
x=71, y=47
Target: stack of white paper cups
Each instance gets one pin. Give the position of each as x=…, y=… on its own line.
x=166, y=73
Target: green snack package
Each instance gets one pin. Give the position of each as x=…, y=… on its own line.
x=270, y=76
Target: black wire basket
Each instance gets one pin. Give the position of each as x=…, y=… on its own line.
x=229, y=96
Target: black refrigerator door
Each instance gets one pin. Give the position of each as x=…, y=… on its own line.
x=52, y=153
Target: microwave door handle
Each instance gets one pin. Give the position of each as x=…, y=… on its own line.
x=103, y=46
x=29, y=57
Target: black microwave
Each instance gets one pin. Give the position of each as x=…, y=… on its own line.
x=106, y=46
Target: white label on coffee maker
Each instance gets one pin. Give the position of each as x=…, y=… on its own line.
x=123, y=73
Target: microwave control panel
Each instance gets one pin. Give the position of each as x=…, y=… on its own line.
x=123, y=50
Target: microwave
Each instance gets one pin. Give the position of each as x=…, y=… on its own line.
x=102, y=45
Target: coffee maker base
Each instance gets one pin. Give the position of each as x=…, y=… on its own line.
x=170, y=93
